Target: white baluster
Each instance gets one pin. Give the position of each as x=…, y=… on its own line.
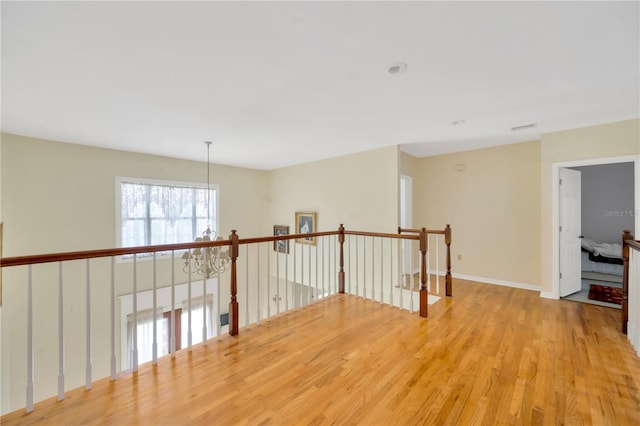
x=349, y=270
x=286, y=286
x=60, y=335
x=246, y=282
x=373, y=268
x=364, y=267
x=336, y=265
x=204, y=302
x=357, y=269
x=428, y=264
x=258, y=283
x=30, y=355
x=173, y=303
x=322, y=274
x=391, y=272
x=218, y=319
x=437, y=266
x=381, y=270
x=401, y=268
x=411, y=277
x=154, y=350
x=309, y=271
x=269, y=279
x=189, y=336
x=299, y=300
x=286, y=278
x=135, y=313
x=277, y=282
x=113, y=318
x=87, y=385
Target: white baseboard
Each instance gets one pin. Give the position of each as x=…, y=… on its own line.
x=497, y=282
x=547, y=295
x=523, y=286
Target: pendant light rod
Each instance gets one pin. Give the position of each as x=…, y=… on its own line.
x=208, y=143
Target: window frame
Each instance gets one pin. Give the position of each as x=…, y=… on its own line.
x=215, y=188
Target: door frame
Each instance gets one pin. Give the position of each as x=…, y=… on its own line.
x=406, y=220
x=555, y=205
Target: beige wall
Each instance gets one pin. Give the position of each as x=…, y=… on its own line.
x=410, y=166
x=493, y=206
x=359, y=190
x=4, y=400
x=607, y=140
x=61, y=197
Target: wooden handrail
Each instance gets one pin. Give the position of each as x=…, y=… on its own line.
x=234, y=242
x=286, y=237
x=124, y=251
x=383, y=235
x=91, y=254
x=633, y=244
x=417, y=231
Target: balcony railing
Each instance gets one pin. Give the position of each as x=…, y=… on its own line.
x=74, y=306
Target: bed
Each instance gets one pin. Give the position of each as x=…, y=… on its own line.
x=603, y=258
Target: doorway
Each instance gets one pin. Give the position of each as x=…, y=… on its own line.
x=406, y=221
x=590, y=197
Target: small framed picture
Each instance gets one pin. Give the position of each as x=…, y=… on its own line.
x=281, y=246
x=306, y=224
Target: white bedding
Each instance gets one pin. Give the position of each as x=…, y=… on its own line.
x=602, y=249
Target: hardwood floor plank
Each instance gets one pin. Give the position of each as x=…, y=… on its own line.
x=490, y=355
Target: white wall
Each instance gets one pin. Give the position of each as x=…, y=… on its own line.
x=608, y=201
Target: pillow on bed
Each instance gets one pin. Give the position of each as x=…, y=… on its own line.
x=588, y=244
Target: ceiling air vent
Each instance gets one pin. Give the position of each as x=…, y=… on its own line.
x=524, y=127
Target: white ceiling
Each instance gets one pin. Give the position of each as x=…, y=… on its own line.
x=274, y=84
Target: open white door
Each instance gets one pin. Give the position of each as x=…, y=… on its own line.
x=570, y=229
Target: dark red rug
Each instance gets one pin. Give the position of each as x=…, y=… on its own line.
x=604, y=293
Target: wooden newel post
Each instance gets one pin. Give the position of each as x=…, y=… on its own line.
x=233, y=305
x=341, y=273
x=448, y=279
x=424, y=293
x=625, y=279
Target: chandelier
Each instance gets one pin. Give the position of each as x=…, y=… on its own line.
x=207, y=261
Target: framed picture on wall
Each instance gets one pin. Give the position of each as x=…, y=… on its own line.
x=306, y=224
x=281, y=246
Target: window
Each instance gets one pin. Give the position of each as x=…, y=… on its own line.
x=160, y=212
x=211, y=311
x=163, y=329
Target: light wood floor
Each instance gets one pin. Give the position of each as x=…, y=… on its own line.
x=489, y=355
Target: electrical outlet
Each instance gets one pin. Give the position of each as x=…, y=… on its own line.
x=459, y=257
